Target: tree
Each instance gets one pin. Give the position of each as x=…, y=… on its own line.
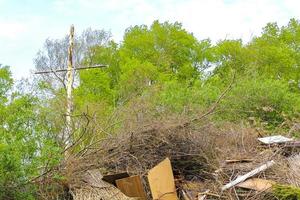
x=276, y=52
x=166, y=45
x=54, y=54
x=25, y=144
x=147, y=56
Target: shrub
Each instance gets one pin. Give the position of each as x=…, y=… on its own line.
x=266, y=100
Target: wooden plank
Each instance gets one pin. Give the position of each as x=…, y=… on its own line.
x=66, y=70
x=257, y=184
x=132, y=187
x=113, y=177
x=161, y=181
x=276, y=139
x=248, y=175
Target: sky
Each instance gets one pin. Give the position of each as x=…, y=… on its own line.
x=26, y=24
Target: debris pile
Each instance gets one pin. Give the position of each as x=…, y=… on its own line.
x=191, y=151
x=190, y=162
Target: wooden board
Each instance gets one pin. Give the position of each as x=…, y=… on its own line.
x=161, y=181
x=113, y=177
x=257, y=184
x=276, y=139
x=132, y=187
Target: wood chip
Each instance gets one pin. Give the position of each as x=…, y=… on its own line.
x=257, y=184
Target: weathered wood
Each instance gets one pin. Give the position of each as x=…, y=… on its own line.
x=113, y=177
x=292, y=144
x=185, y=195
x=248, y=175
x=132, y=187
x=238, y=160
x=161, y=181
x=257, y=184
x=203, y=195
x=276, y=139
x=70, y=79
x=66, y=70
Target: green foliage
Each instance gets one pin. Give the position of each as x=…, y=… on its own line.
x=136, y=77
x=167, y=46
x=231, y=57
x=167, y=64
x=95, y=86
x=6, y=83
x=147, y=56
x=22, y=142
x=286, y=192
x=177, y=97
x=267, y=100
x=276, y=52
x=109, y=55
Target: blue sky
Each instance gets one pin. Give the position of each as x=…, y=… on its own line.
x=25, y=24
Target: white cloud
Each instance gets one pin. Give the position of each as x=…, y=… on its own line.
x=12, y=30
x=65, y=7
x=215, y=19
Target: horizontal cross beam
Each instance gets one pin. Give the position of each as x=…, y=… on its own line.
x=65, y=70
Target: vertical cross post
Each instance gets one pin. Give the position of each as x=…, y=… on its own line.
x=70, y=80
x=66, y=136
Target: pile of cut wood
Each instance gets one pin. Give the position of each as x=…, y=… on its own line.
x=244, y=178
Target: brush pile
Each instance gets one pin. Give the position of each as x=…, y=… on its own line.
x=189, y=149
x=204, y=158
